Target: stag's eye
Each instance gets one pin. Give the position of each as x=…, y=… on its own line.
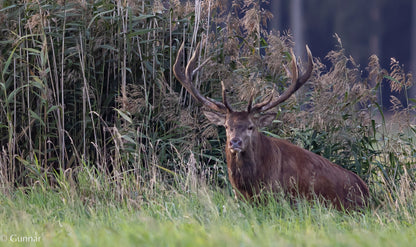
x=250, y=127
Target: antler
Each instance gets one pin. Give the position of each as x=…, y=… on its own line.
x=184, y=75
x=297, y=82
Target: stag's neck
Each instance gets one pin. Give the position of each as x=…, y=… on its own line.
x=243, y=168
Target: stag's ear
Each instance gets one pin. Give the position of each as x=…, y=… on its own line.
x=265, y=119
x=215, y=117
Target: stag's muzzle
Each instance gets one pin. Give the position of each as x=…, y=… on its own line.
x=236, y=145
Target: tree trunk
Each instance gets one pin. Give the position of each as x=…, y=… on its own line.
x=412, y=91
x=276, y=9
x=296, y=22
x=374, y=41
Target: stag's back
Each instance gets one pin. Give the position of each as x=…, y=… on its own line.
x=256, y=162
x=300, y=172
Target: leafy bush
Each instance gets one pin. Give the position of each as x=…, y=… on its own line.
x=87, y=87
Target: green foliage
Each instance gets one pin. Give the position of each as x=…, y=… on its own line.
x=201, y=216
x=87, y=88
x=100, y=145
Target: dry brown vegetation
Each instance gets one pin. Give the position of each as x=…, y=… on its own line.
x=92, y=88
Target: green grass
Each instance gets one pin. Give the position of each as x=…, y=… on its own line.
x=93, y=125
x=202, y=217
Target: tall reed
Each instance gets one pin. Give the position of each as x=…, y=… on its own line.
x=87, y=88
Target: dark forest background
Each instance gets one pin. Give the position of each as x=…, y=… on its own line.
x=381, y=27
x=87, y=91
x=97, y=135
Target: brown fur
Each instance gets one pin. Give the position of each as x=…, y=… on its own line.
x=276, y=165
x=257, y=162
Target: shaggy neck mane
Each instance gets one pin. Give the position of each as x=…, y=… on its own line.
x=243, y=168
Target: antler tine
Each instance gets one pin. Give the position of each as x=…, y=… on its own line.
x=309, y=70
x=184, y=75
x=297, y=82
x=224, y=98
x=250, y=101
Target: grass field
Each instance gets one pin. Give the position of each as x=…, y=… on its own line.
x=200, y=217
x=101, y=146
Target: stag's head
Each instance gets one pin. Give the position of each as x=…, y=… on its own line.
x=241, y=126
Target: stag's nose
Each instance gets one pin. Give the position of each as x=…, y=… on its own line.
x=236, y=144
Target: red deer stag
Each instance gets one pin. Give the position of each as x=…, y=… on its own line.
x=257, y=162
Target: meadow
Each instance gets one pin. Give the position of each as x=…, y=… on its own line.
x=202, y=216
x=101, y=146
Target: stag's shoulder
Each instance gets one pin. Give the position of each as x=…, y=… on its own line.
x=301, y=155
